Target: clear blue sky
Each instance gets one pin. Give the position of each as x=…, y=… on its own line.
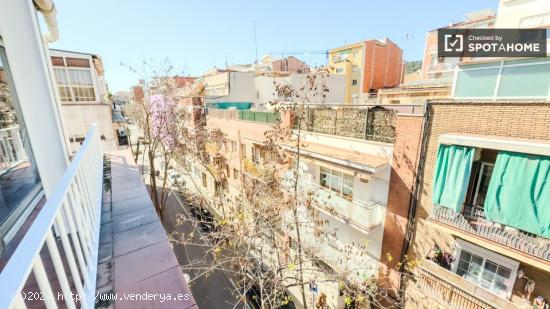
x=198, y=34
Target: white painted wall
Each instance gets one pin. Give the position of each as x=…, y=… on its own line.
x=512, y=12
x=229, y=87
x=264, y=88
x=30, y=68
x=80, y=117
x=347, y=143
x=362, y=192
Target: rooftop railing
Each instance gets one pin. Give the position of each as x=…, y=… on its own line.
x=246, y=115
x=472, y=220
x=373, y=123
x=70, y=217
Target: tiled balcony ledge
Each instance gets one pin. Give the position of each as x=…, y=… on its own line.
x=136, y=259
x=453, y=291
x=473, y=221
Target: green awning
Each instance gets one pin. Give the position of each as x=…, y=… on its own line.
x=519, y=192
x=452, y=172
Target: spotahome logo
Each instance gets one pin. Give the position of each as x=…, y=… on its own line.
x=491, y=42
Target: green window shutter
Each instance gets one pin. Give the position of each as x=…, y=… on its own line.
x=452, y=172
x=519, y=192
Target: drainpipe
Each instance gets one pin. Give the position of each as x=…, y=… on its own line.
x=47, y=8
x=411, y=222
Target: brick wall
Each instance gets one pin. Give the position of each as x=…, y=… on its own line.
x=383, y=65
x=506, y=119
x=404, y=165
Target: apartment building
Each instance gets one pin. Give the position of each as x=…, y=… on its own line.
x=522, y=14
x=368, y=66
x=82, y=93
x=481, y=210
x=71, y=225
x=224, y=86
x=435, y=67
x=289, y=64
x=415, y=92
x=265, y=87
x=345, y=164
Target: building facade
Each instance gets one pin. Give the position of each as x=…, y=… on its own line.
x=345, y=165
x=82, y=90
x=368, y=66
x=289, y=64
x=434, y=67
x=485, y=244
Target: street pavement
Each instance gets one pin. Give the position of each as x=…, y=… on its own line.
x=210, y=292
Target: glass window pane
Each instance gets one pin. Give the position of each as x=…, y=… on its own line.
x=325, y=178
x=488, y=275
x=525, y=81
x=336, y=181
x=61, y=77
x=476, y=83
x=474, y=271
x=483, y=185
x=19, y=179
x=347, y=187
x=502, y=280
x=80, y=77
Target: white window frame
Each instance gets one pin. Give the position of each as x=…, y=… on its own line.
x=70, y=84
x=341, y=191
x=483, y=165
x=486, y=255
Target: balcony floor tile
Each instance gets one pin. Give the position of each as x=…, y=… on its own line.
x=167, y=282
x=139, y=237
x=149, y=261
x=135, y=253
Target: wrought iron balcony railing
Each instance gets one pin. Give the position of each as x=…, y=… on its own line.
x=472, y=220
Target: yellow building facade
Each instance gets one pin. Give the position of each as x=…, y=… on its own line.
x=348, y=61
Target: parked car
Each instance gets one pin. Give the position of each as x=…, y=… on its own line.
x=174, y=178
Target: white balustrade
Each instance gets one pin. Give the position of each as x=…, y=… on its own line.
x=70, y=217
x=11, y=147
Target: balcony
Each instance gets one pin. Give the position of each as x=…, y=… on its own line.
x=453, y=291
x=347, y=257
x=472, y=220
x=11, y=148
x=442, y=67
x=97, y=225
x=362, y=215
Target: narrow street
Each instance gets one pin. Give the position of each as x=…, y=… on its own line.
x=211, y=291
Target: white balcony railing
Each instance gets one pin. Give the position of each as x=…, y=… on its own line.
x=70, y=216
x=11, y=147
x=348, y=257
x=363, y=215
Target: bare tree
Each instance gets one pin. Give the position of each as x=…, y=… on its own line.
x=159, y=118
x=270, y=237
